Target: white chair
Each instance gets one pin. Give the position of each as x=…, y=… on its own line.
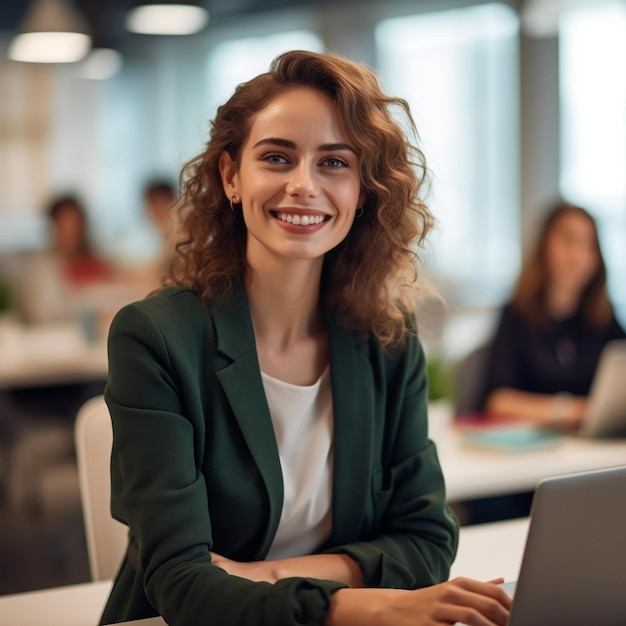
x=107, y=538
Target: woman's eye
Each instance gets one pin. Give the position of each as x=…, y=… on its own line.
x=335, y=162
x=275, y=159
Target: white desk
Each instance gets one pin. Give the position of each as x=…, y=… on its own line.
x=73, y=605
x=48, y=354
x=472, y=473
x=486, y=552
x=489, y=551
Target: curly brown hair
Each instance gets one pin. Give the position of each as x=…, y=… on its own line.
x=530, y=296
x=365, y=278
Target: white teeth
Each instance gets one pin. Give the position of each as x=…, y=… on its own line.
x=300, y=220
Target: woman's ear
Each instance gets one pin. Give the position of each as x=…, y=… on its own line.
x=229, y=174
x=362, y=198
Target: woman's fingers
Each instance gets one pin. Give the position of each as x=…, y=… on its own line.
x=489, y=589
x=474, y=603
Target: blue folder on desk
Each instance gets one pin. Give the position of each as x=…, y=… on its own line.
x=511, y=438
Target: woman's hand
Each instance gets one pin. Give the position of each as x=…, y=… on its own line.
x=463, y=600
x=568, y=411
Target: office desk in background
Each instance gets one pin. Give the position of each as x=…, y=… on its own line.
x=486, y=551
x=473, y=473
x=51, y=354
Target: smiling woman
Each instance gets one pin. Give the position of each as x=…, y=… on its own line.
x=271, y=455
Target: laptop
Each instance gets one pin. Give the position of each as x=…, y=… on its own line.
x=606, y=414
x=574, y=565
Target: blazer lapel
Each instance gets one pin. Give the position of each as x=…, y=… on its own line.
x=353, y=407
x=242, y=384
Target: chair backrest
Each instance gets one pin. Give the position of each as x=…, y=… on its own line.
x=107, y=538
x=469, y=381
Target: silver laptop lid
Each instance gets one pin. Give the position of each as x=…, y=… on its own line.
x=606, y=415
x=574, y=566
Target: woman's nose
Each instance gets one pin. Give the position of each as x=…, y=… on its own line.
x=303, y=181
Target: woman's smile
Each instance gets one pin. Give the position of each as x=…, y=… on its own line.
x=298, y=220
x=301, y=221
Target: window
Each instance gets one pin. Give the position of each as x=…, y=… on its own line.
x=239, y=60
x=592, y=69
x=458, y=69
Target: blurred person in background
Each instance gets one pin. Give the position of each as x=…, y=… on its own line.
x=70, y=281
x=79, y=264
x=158, y=238
x=550, y=336
x=54, y=282
x=160, y=198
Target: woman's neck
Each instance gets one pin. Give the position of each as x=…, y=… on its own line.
x=284, y=299
x=291, y=340
x=562, y=302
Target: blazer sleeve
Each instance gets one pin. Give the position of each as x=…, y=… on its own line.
x=413, y=536
x=160, y=493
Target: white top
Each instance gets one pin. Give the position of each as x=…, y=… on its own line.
x=303, y=426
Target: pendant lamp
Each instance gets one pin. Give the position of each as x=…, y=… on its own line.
x=167, y=18
x=52, y=32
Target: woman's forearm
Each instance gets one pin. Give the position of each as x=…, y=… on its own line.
x=506, y=402
x=360, y=607
x=536, y=407
x=338, y=567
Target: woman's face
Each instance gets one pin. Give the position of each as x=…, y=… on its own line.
x=572, y=255
x=297, y=178
x=69, y=230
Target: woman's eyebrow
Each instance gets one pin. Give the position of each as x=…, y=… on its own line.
x=276, y=141
x=286, y=143
x=332, y=147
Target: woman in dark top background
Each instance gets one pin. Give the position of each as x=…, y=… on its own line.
x=551, y=334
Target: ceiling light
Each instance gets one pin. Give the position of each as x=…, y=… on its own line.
x=52, y=32
x=182, y=18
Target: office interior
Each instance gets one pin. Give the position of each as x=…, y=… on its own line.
x=516, y=103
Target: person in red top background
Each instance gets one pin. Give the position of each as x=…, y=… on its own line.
x=70, y=243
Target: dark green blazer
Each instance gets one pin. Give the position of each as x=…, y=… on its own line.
x=195, y=467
